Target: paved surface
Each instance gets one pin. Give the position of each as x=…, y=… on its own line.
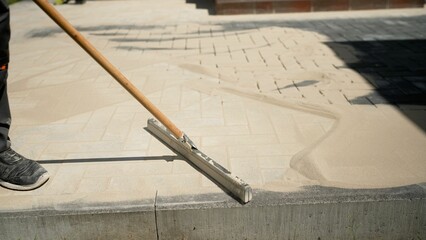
x=221, y=79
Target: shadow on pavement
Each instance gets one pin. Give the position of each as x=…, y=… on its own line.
x=204, y=4
x=115, y=159
x=395, y=68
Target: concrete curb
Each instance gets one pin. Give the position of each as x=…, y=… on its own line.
x=316, y=213
x=313, y=213
x=123, y=220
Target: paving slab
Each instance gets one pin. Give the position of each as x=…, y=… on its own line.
x=288, y=102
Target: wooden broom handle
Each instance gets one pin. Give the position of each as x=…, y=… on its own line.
x=111, y=69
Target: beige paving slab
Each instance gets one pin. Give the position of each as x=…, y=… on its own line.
x=216, y=78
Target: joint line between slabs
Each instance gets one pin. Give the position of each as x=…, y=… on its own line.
x=155, y=215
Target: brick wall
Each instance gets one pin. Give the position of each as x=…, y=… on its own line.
x=225, y=7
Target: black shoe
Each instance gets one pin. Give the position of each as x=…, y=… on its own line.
x=20, y=173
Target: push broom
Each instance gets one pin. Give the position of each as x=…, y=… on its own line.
x=167, y=130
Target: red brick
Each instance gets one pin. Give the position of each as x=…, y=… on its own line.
x=235, y=8
x=330, y=5
x=368, y=4
x=406, y=3
x=292, y=6
x=264, y=7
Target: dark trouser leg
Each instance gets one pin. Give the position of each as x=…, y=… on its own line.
x=5, y=117
x=4, y=32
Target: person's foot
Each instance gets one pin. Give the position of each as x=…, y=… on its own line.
x=20, y=173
